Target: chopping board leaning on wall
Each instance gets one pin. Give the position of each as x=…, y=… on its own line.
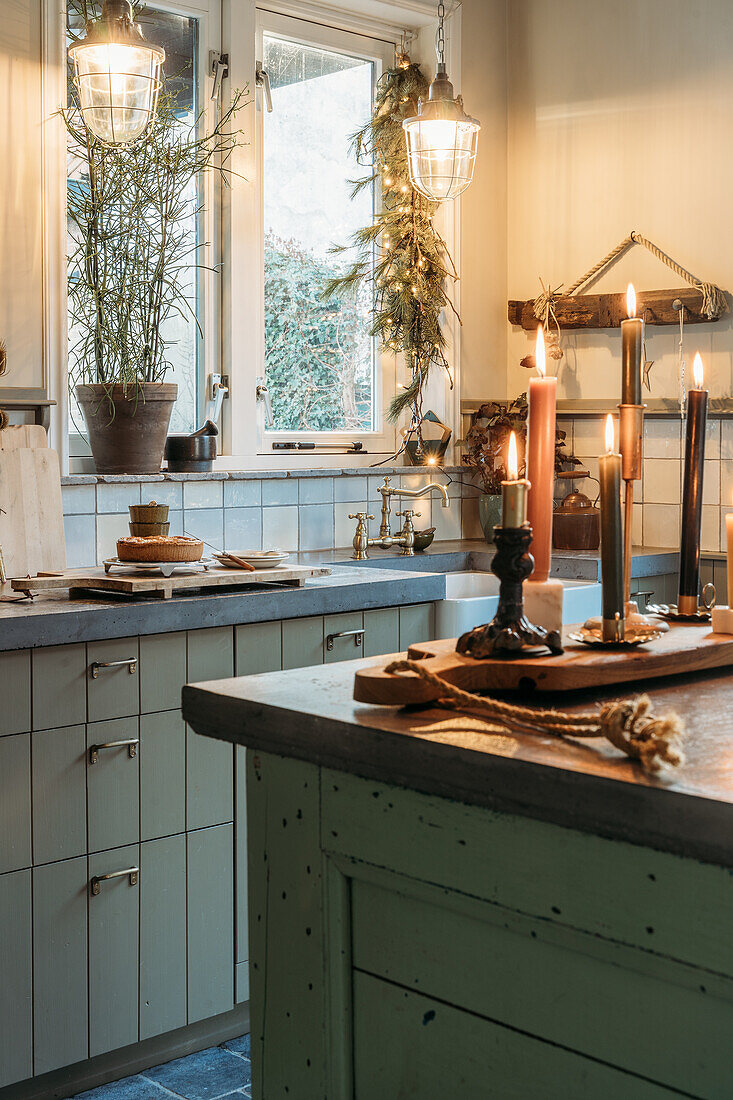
x=31, y=512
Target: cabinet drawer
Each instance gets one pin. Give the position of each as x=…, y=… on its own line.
x=113, y=681
x=162, y=671
x=16, y=984
x=113, y=790
x=350, y=644
x=417, y=624
x=15, y=676
x=60, y=964
x=210, y=654
x=162, y=774
x=258, y=648
x=59, y=794
x=113, y=952
x=59, y=686
x=302, y=642
x=15, y=803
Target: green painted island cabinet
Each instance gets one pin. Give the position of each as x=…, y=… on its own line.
x=405, y=945
x=123, y=841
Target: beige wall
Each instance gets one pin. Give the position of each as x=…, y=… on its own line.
x=483, y=85
x=21, y=282
x=620, y=117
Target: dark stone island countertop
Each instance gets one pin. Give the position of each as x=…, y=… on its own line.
x=310, y=714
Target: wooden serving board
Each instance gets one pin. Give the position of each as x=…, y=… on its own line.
x=134, y=583
x=687, y=647
x=31, y=516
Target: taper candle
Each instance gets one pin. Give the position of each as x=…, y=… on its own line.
x=697, y=412
x=541, y=461
x=729, y=544
x=513, y=491
x=612, y=557
x=632, y=337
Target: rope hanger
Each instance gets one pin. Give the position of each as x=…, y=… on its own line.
x=714, y=303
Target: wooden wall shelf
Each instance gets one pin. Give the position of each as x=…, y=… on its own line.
x=595, y=311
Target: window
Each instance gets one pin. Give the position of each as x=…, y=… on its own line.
x=326, y=376
x=191, y=339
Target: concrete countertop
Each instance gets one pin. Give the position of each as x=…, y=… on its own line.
x=310, y=714
x=386, y=580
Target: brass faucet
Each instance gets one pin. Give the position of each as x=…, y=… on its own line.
x=406, y=537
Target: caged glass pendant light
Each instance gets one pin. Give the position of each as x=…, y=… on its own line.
x=117, y=75
x=441, y=138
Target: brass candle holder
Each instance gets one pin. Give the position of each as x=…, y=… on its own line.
x=631, y=428
x=510, y=633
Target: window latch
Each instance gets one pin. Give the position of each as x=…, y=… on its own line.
x=218, y=69
x=262, y=80
x=263, y=394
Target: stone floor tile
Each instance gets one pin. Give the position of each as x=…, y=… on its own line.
x=206, y=1075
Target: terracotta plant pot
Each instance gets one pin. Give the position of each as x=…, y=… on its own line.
x=489, y=514
x=127, y=433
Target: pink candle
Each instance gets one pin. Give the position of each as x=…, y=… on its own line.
x=541, y=462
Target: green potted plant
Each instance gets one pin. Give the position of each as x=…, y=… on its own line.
x=486, y=444
x=132, y=247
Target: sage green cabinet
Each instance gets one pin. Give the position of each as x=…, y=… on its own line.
x=15, y=676
x=162, y=671
x=60, y=1023
x=16, y=979
x=114, y=915
x=15, y=803
x=162, y=774
x=209, y=764
x=113, y=786
x=113, y=682
x=258, y=648
x=162, y=935
x=59, y=686
x=210, y=929
x=348, y=647
x=59, y=794
x=417, y=624
x=302, y=642
x=381, y=631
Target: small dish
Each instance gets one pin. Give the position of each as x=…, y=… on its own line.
x=167, y=568
x=594, y=638
x=260, y=559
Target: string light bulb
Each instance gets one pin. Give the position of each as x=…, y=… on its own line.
x=117, y=75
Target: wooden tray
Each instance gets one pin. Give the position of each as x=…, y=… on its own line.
x=136, y=583
x=687, y=647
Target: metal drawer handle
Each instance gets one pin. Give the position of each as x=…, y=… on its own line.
x=131, y=663
x=129, y=872
x=357, y=635
x=132, y=744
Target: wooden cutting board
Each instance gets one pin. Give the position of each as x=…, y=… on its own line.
x=23, y=435
x=134, y=583
x=686, y=647
x=31, y=520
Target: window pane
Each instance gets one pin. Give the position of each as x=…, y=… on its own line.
x=178, y=36
x=319, y=356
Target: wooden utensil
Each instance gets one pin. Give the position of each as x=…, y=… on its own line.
x=685, y=648
x=225, y=553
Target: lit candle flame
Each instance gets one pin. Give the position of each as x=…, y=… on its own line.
x=540, y=353
x=610, y=434
x=697, y=371
x=631, y=300
x=512, y=461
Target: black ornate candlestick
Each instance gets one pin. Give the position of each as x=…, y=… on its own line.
x=510, y=631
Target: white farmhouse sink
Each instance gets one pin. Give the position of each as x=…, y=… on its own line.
x=471, y=599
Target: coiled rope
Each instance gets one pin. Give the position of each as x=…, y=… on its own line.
x=714, y=302
x=629, y=725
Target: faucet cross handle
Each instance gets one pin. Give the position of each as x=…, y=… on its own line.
x=407, y=534
x=408, y=514
x=361, y=536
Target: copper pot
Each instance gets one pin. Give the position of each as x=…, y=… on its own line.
x=576, y=524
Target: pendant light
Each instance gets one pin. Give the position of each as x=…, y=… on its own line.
x=117, y=75
x=441, y=139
